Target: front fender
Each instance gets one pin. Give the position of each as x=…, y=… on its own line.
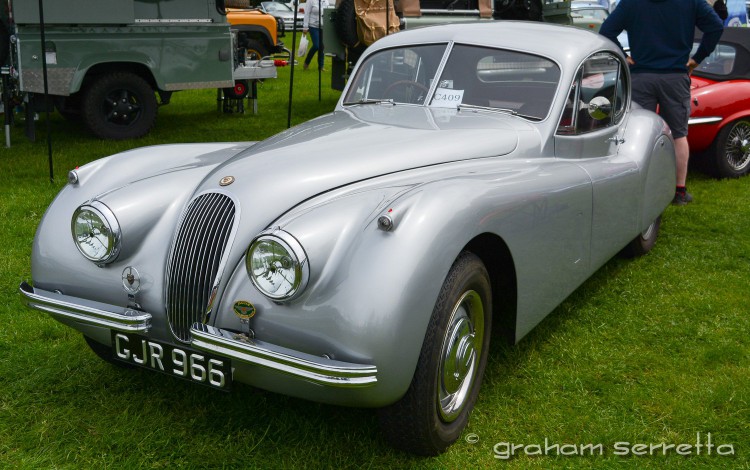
x=372, y=292
x=146, y=189
x=369, y=299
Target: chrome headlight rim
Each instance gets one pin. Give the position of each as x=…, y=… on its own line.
x=299, y=259
x=106, y=215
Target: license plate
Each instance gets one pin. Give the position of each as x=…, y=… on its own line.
x=180, y=362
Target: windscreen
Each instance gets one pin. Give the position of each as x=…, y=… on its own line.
x=486, y=77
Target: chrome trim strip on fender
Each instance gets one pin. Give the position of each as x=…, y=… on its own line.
x=704, y=120
x=319, y=370
x=86, y=311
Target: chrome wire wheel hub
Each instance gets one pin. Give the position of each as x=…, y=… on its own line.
x=738, y=147
x=460, y=355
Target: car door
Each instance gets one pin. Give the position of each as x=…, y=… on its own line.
x=590, y=133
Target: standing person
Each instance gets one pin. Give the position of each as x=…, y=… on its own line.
x=313, y=23
x=720, y=7
x=661, y=33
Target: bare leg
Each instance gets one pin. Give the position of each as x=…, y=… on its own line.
x=682, y=154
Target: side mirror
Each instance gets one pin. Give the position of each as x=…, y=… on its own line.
x=599, y=108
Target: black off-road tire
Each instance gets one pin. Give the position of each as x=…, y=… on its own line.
x=417, y=423
x=502, y=6
x=644, y=242
x=256, y=50
x=729, y=156
x=119, y=105
x=106, y=353
x=534, y=10
x=346, y=23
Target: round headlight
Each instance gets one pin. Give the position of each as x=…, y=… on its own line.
x=277, y=265
x=96, y=232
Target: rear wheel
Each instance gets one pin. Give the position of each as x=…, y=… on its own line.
x=445, y=386
x=643, y=243
x=119, y=105
x=731, y=150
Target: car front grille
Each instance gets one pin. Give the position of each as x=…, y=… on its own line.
x=195, y=260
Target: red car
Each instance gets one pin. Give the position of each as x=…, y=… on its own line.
x=719, y=132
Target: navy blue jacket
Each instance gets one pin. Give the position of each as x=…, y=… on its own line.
x=660, y=32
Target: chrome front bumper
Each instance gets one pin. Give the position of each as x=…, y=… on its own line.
x=320, y=370
x=315, y=369
x=86, y=311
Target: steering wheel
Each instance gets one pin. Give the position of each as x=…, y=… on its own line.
x=407, y=85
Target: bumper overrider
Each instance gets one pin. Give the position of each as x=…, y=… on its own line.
x=319, y=370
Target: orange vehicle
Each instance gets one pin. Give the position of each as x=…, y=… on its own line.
x=258, y=32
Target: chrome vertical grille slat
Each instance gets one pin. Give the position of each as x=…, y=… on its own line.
x=196, y=258
x=180, y=282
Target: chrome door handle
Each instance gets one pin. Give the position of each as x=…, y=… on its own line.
x=616, y=139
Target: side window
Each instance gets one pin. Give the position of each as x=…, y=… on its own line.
x=597, y=96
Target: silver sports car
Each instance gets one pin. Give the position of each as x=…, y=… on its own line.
x=469, y=179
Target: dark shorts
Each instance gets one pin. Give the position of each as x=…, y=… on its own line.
x=671, y=92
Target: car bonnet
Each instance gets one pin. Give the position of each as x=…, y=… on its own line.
x=363, y=143
x=350, y=146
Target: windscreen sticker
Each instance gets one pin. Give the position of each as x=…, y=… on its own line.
x=447, y=98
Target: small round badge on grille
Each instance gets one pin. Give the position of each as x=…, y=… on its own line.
x=131, y=280
x=244, y=309
x=226, y=181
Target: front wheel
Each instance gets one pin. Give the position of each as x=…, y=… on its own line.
x=731, y=151
x=256, y=50
x=119, y=105
x=445, y=386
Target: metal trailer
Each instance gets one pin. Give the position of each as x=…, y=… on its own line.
x=105, y=61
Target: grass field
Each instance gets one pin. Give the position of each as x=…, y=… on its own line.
x=651, y=351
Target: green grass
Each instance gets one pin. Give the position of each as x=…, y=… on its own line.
x=647, y=351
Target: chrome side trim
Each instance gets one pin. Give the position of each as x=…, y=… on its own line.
x=319, y=370
x=86, y=311
x=704, y=120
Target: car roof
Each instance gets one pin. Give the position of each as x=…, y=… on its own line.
x=739, y=38
x=588, y=5
x=567, y=45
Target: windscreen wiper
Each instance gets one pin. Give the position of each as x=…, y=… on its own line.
x=371, y=101
x=512, y=112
